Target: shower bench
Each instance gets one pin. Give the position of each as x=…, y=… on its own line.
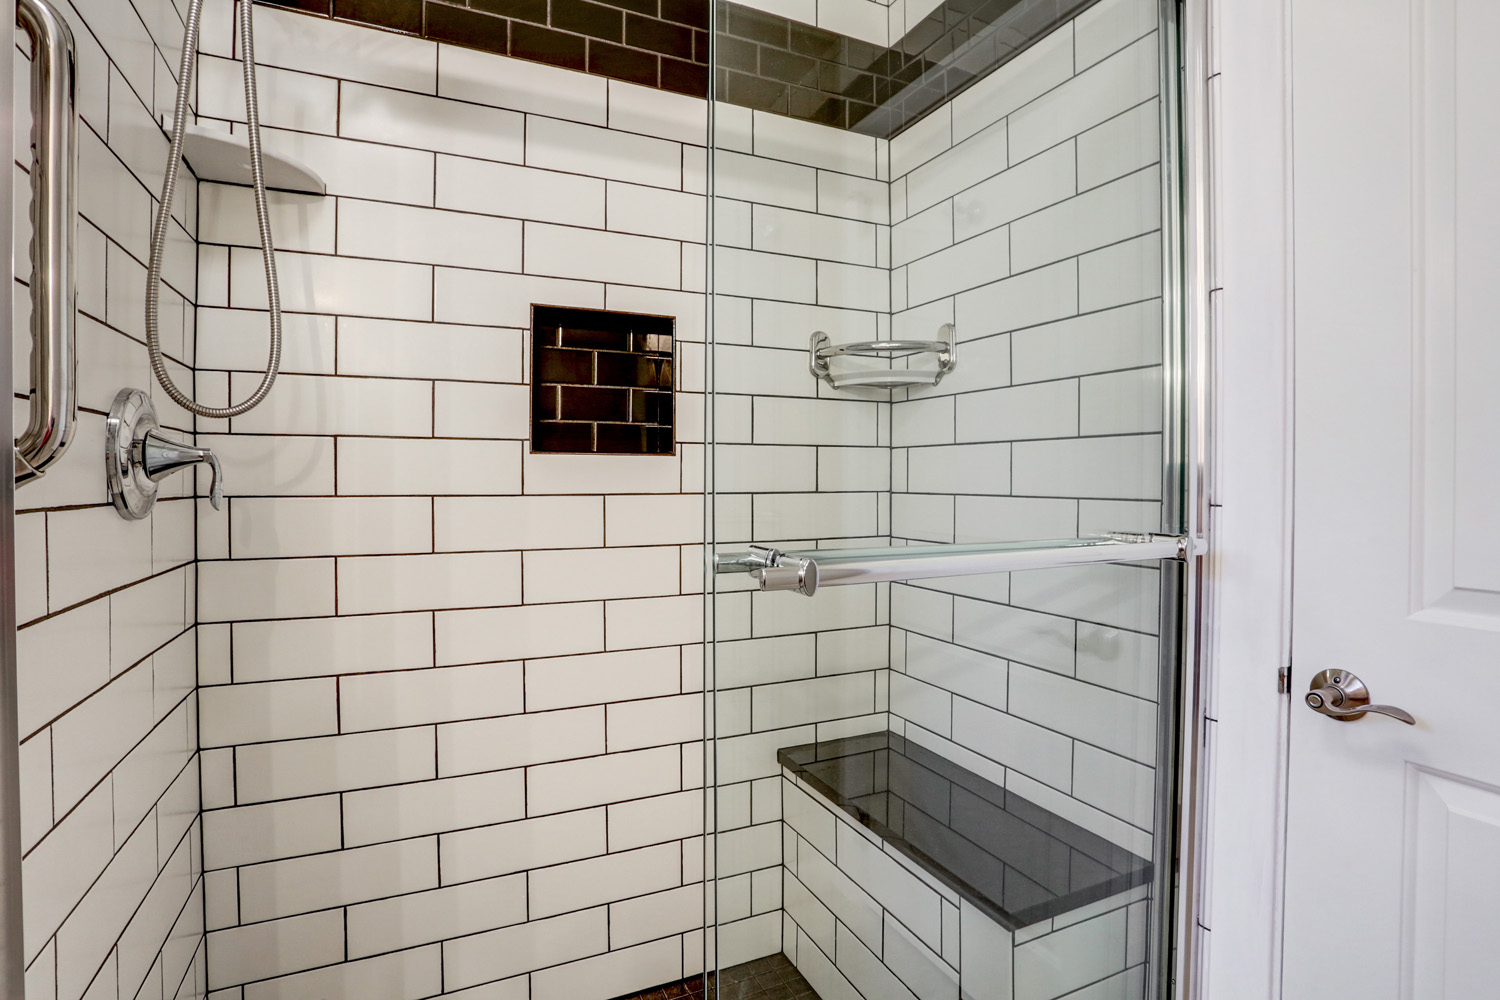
x=908, y=874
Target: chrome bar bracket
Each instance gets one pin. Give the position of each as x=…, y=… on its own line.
x=806, y=571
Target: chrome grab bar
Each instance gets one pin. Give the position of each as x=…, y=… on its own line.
x=806, y=570
x=54, y=400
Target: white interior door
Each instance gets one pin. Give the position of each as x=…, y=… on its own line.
x=1393, y=872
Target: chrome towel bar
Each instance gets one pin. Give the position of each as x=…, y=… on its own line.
x=54, y=399
x=807, y=570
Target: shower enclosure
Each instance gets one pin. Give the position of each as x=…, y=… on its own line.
x=946, y=483
x=719, y=528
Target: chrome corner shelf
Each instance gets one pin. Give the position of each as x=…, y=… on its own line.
x=821, y=350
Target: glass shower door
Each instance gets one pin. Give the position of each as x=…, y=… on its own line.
x=945, y=500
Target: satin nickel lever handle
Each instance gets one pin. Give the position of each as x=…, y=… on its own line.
x=138, y=456
x=1341, y=695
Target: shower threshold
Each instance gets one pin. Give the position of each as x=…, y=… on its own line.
x=770, y=978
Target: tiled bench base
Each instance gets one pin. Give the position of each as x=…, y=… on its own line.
x=864, y=921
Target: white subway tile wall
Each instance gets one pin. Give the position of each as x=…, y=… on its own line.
x=107, y=645
x=804, y=245
x=1035, y=219
x=456, y=702
x=1028, y=213
x=451, y=692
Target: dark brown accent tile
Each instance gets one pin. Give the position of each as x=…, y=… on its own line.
x=881, y=62
x=857, y=112
x=752, y=91
x=594, y=404
x=738, y=54
x=757, y=26
x=397, y=15
x=445, y=23
x=534, y=11
x=633, y=370
x=788, y=67
x=764, y=61
x=927, y=31
x=620, y=63
x=612, y=374
x=565, y=367
x=592, y=19
x=693, y=13
x=545, y=402
x=910, y=73
x=815, y=106
x=562, y=437
x=809, y=41
x=659, y=36
x=633, y=440
x=846, y=82
x=531, y=41
x=595, y=338
x=324, y=7
x=651, y=408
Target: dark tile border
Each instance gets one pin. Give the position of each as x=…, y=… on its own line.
x=765, y=61
x=771, y=63
x=656, y=43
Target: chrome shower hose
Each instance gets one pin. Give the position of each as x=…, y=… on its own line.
x=163, y=220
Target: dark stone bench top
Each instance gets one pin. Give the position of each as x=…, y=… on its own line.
x=1009, y=857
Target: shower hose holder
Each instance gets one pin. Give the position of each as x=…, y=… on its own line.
x=138, y=456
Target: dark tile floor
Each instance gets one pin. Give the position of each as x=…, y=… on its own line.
x=773, y=978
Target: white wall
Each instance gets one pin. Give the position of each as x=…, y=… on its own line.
x=1242, y=73
x=113, y=903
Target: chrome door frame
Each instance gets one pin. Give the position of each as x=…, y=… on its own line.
x=12, y=946
x=1188, y=217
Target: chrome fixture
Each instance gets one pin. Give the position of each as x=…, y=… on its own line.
x=138, y=456
x=805, y=571
x=777, y=570
x=54, y=161
x=1343, y=696
x=821, y=350
x=162, y=221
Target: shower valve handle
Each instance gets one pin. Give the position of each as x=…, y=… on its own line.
x=1340, y=695
x=161, y=456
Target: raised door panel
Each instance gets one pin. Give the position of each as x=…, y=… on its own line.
x=1456, y=368
x=1453, y=878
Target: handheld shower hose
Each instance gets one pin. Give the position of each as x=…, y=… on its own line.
x=163, y=220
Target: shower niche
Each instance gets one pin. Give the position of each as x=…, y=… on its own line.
x=601, y=382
